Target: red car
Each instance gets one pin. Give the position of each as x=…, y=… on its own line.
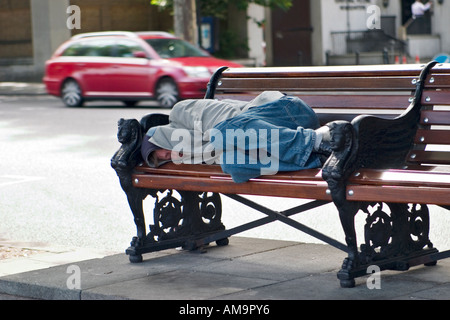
x=129, y=66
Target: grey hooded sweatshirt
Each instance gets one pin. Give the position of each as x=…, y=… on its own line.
x=191, y=122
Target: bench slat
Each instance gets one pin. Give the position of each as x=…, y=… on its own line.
x=318, y=84
x=335, y=101
x=425, y=136
x=357, y=101
x=429, y=157
x=369, y=185
x=432, y=117
x=433, y=97
x=437, y=81
x=221, y=184
x=203, y=170
x=399, y=194
x=333, y=71
x=402, y=177
x=435, y=176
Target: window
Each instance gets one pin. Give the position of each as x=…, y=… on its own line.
x=91, y=48
x=175, y=48
x=126, y=48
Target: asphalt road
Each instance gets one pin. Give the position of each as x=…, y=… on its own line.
x=57, y=186
x=56, y=183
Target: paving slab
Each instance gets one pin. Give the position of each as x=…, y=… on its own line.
x=247, y=269
x=22, y=88
x=42, y=255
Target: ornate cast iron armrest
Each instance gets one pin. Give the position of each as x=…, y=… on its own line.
x=384, y=143
x=213, y=81
x=366, y=142
x=130, y=136
x=374, y=142
x=380, y=142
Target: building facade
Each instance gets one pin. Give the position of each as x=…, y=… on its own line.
x=311, y=32
x=364, y=18
x=320, y=32
x=31, y=30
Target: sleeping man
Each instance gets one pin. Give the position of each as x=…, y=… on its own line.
x=271, y=133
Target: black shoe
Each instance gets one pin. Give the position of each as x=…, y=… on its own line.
x=324, y=151
x=324, y=148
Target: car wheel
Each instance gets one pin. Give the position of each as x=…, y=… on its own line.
x=71, y=94
x=167, y=93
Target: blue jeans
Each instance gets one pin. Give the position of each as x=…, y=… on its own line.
x=278, y=136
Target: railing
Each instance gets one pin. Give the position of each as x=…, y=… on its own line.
x=21, y=61
x=418, y=25
x=345, y=42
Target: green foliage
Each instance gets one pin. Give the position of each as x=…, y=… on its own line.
x=230, y=44
x=219, y=8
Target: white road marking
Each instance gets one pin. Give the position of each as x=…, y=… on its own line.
x=8, y=180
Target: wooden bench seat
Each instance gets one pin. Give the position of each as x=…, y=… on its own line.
x=403, y=186
x=210, y=178
x=364, y=185
x=399, y=155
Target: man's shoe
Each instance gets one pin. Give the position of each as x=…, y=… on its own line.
x=324, y=151
x=323, y=135
x=324, y=148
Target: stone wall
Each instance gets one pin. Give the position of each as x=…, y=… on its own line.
x=30, y=30
x=15, y=29
x=124, y=15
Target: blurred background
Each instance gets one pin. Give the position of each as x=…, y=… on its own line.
x=254, y=33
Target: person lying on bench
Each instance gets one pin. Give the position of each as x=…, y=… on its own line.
x=271, y=133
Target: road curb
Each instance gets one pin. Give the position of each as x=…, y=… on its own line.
x=22, y=89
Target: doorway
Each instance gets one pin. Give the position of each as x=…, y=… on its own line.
x=291, y=35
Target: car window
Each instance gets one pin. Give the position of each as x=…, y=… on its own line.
x=91, y=48
x=126, y=48
x=175, y=48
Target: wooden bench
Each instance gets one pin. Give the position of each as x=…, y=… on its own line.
x=395, y=162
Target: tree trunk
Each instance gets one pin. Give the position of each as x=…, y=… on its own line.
x=185, y=20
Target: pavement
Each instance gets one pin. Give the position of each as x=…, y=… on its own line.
x=22, y=88
x=248, y=269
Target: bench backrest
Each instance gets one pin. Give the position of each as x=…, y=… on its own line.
x=432, y=141
x=343, y=92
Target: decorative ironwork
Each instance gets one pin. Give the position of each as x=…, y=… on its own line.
x=211, y=209
x=194, y=213
x=168, y=217
x=377, y=234
x=402, y=231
